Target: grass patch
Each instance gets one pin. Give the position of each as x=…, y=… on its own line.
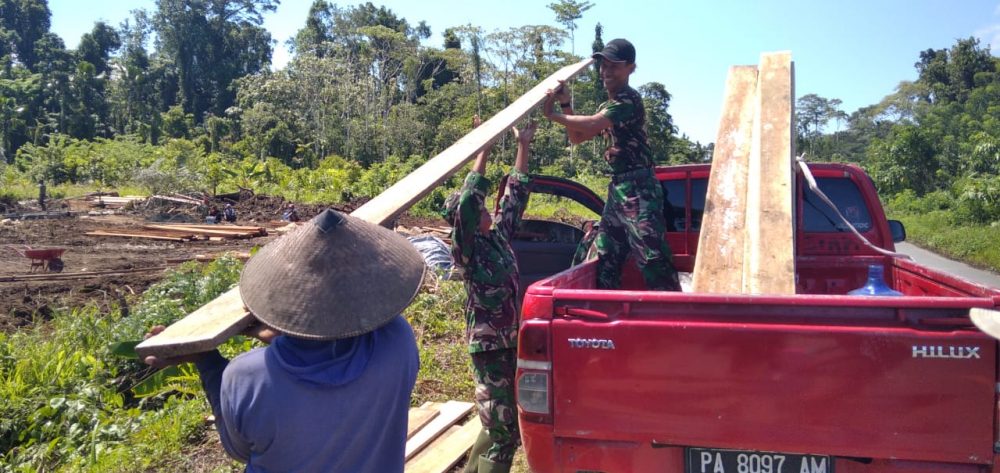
x=973, y=244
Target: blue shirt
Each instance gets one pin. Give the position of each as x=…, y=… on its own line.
x=324, y=406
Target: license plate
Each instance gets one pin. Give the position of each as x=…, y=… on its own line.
x=714, y=460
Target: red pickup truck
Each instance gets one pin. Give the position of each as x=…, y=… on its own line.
x=639, y=381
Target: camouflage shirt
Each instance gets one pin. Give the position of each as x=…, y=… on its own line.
x=487, y=261
x=627, y=145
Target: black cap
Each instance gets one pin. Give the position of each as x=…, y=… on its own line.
x=617, y=50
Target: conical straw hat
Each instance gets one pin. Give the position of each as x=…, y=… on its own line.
x=337, y=276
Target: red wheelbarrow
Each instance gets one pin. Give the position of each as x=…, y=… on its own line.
x=45, y=258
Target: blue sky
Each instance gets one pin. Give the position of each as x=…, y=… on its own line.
x=853, y=50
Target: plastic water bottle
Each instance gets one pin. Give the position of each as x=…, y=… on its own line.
x=875, y=286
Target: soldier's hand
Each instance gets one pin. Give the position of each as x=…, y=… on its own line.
x=525, y=135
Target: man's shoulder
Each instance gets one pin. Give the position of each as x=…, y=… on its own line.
x=628, y=95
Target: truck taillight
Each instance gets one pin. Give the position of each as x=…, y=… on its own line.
x=534, y=372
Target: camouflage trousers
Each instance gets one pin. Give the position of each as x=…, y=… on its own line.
x=495, y=400
x=633, y=221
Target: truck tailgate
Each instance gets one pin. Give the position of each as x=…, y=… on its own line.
x=764, y=373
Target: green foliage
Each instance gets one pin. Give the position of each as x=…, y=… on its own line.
x=67, y=398
x=438, y=320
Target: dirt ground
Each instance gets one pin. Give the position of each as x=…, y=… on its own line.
x=22, y=301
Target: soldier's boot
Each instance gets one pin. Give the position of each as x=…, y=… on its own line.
x=487, y=466
x=483, y=443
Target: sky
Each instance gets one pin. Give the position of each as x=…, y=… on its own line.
x=857, y=51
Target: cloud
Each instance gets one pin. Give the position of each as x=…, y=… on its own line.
x=990, y=35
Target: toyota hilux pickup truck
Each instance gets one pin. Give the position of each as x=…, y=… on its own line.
x=820, y=381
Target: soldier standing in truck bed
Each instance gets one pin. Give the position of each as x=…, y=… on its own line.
x=633, y=215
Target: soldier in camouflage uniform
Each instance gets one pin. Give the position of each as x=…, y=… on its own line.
x=481, y=247
x=633, y=215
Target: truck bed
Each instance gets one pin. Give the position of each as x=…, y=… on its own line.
x=871, y=382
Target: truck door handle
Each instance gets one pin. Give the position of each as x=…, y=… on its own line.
x=582, y=313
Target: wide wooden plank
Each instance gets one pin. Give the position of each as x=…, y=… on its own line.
x=451, y=413
x=203, y=330
x=447, y=450
x=418, y=417
x=721, y=269
x=380, y=210
x=769, y=256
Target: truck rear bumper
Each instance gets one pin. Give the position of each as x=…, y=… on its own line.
x=549, y=454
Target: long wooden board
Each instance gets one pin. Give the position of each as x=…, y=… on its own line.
x=418, y=417
x=450, y=413
x=447, y=450
x=769, y=256
x=721, y=269
x=410, y=189
x=204, y=329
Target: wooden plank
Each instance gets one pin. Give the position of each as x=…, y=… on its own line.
x=204, y=231
x=447, y=450
x=137, y=235
x=188, y=335
x=451, y=413
x=410, y=189
x=216, y=226
x=986, y=320
x=387, y=205
x=418, y=418
x=721, y=269
x=769, y=255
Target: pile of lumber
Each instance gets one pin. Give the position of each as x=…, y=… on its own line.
x=177, y=198
x=113, y=202
x=186, y=232
x=439, y=436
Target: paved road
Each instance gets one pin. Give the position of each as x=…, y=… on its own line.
x=936, y=261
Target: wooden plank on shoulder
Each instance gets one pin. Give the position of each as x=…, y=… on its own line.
x=447, y=450
x=221, y=318
x=381, y=210
x=451, y=413
x=769, y=256
x=720, y=270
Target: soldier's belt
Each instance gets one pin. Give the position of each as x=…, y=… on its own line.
x=632, y=175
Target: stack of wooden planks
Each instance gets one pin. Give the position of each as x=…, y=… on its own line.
x=113, y=202
x=749, y=220
x=437, y=438
x=186, y=232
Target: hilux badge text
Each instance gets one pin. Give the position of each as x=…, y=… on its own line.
x=938, y=351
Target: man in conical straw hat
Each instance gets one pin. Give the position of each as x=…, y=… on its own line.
x=332, y=390
x=481, y=247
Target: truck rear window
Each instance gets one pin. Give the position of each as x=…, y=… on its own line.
x=817, y=215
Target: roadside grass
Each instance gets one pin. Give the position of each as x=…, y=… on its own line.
x=975, y=245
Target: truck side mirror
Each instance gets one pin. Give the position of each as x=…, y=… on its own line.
x=897, y=230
